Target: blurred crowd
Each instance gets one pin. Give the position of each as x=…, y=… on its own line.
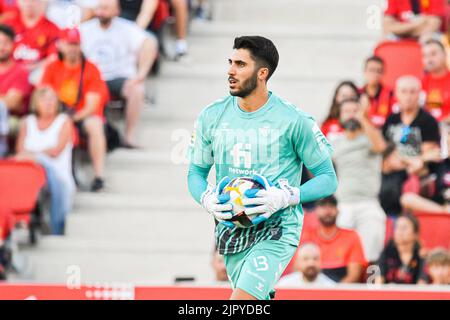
x=391, y=155
x=62, y=63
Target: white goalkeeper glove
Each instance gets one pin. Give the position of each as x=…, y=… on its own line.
x=269, y=200
x=216, y=203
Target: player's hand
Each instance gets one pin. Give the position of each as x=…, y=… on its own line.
x=269, y=200
x=216, y=203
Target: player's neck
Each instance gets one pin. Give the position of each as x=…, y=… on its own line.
x=255, y=100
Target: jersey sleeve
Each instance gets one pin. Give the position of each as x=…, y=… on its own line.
x=200, y=151
x=310, y=144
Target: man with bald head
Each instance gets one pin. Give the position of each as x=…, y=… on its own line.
x=413, y=130
x=307, y=269
x=124, y=54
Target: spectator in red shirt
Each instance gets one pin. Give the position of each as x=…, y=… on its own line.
x=379, y=96
x=414, y=19
x=400, y=261
x=331, y=127
x=14, y=86
x=342, y=253
x=35, y=42
x=436, y=81
x=8, y=9
x=14, y=89
x=85, y=99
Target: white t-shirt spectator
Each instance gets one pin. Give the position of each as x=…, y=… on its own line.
x=114, y=50
x=295, y=280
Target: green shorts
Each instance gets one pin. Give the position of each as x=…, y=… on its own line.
x=257, y=269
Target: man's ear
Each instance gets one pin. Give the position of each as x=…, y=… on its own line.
x=263, y=74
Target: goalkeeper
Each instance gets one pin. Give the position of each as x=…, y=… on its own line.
x=252, y=132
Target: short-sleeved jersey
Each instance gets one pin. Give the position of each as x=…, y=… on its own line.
x=438, y=95
x=33, y=44
x=336, y=253
x=273, y=141
x=66, y=80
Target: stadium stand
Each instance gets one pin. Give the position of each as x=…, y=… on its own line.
x=22, y=182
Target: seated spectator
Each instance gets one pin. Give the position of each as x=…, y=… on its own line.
x=341, y=250
x=218, y=264
x=433, y=192
x=437, y=268
x=413, y=130
x=380, y=97
x=46, y=137
x=436, y=81
x=413, y=19
x=14, y=88
x=331, y=127
x=139, y=11
x=400, y=261
x=394, y=175
x=357, y=157
x=124, y=54
x=307, y=269
x=83, y=92
x=8, y=9
x=35, y=42
x=70, y=13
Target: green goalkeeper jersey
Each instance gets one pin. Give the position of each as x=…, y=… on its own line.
x=273, y=141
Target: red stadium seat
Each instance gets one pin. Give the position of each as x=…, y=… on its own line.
x=401, y=58
x=434, y=229
x=20, y=184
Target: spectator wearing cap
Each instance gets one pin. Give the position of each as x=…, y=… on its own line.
x=307, y=269
x=437, y=268
x=400, y=261
x=35, y=41
x=342, y=255
x=46, y=137
x=436, y=80
x=331, y=127
x=80, y=87
x=357, y=157
x=380, y=97
x=14, y=87
x=413, y=19
x=124, y=54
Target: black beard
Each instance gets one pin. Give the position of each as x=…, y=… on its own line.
x=327, y=222
x=4, y=59
x=105, y=21
x=248, y=86
x=351, y=125
x=310, y=274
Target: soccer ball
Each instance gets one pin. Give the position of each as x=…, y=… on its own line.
x=236, y=188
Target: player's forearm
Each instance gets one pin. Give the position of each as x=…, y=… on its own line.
x=197, y=181
x=322, y=185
